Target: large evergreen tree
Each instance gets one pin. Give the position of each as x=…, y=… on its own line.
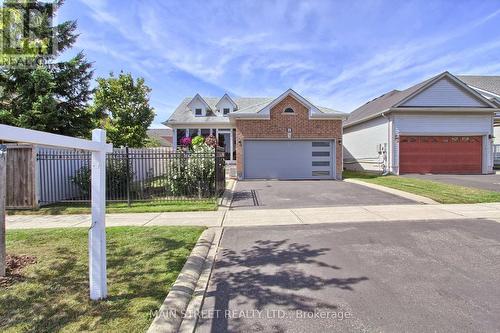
x=51, y=96
x=125, y=104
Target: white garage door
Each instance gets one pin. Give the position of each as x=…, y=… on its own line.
x=289, y=159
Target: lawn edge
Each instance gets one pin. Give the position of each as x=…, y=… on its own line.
x=190, y=322
x=184, y=287
x=407, y=195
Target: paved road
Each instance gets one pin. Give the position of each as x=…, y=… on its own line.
x=306, y=193
x=439, y=276
x=485, y=182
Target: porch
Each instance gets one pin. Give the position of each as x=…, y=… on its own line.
x=226, y=138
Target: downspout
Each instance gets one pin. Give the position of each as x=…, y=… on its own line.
x=386, y=159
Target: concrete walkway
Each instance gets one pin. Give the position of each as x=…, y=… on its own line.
x=230, y=218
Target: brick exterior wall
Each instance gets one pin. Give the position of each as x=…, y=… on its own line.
x=277, y=128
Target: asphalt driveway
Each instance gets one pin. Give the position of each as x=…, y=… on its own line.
x=439, y=276
x=485, y=182
x=308, y=193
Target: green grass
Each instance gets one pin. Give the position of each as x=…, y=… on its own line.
x=119, y=207
x=440, y=192
x=143, y=263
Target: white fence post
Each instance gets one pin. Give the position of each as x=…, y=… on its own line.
x=97, y=232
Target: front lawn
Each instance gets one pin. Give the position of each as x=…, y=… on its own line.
x=143, y=263
x=440, y=192
x=120, y=207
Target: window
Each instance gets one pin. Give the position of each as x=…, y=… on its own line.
x=225, y=111
x=320, y=153
x=204, y=132
x=193, y=132
x=321, y=173
x=288, y=110
x=321, y=144
x=180, y=134
x=197, y=112
x=321, y=163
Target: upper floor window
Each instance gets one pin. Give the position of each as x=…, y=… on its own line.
x=197, y=112
x=288, y=110
x=225, y=111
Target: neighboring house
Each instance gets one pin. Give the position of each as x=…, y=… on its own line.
x=286, y=137
x=440, y=125
x=162, y=135
x=489, y=87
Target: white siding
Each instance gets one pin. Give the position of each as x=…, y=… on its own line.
x=442, y=123
x=497, y=135
x=444, y=93
x=224, y=103
x=198, y=104
x=360, y=144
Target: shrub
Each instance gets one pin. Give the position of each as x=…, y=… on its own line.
x=186, y=141
x=211, y=141
x=197, y=140
x=116, y=179
x=193, y=174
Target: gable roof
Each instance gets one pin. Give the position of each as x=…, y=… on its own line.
x=183, y=115
x=396, y=98
x=489, y=83
x=198, y=97
x=226, y=96
x=262, y=110
x=249, y=106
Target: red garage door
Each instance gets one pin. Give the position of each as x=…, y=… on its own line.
x=440, y=154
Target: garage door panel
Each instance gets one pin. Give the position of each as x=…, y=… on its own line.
x=440, y=154
x=288, y=159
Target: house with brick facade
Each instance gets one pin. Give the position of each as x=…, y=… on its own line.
x=285, y=137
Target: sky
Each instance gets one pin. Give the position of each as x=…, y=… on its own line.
x=338, y=54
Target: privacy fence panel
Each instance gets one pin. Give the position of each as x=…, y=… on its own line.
x=21, y=191
x=132, y=175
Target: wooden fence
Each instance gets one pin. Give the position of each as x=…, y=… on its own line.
x=21, y=177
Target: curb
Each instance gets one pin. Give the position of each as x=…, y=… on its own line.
x=193, y=310
x=170, y=315
x=403, y=194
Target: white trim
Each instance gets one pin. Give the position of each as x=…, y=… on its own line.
x=17, y=134
x=455, y=80
x=302, y=100
x=227, y=97
x=484, y=91
x=198, y=97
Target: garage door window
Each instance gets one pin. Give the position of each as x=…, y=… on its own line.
x=321, y=144
x=321, y=173
x=320, y=153
x=321, y=163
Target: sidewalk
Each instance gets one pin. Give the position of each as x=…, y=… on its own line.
x=230, y=218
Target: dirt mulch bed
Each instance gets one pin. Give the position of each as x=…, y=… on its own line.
x=15, y=263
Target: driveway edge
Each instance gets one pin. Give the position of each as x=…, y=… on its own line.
x=403, y=194
x=193, y=310
x=171, y=312
x=227, y=197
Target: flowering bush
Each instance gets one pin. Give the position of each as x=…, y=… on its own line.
x=193, y=174
x=186, y=141
x=198, y=140
x=211, y=141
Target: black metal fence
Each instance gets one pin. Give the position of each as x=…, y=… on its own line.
x=132, y=175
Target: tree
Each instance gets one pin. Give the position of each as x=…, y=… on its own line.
x=125, y=103
x=46, y=95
